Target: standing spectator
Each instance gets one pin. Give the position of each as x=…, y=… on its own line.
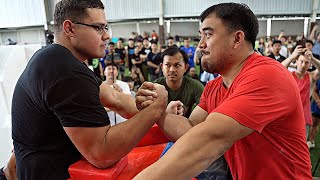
x=146, y=49
x=170, y=41
x=154, y=36
x=153, y=62
x=111, y=56
x=315, y=37
x=122, y=53
x=283, y=40
x=304, y=79
x=189, y=50
x=130, y=53
x=315, y=109
x=276, y=47
x=262, y=46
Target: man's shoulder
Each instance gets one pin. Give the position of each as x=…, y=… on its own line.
x=192, y=82
x=161, y=81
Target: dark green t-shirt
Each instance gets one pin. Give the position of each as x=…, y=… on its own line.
x=189, y=93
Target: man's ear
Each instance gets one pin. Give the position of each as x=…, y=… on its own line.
x=187, y=67
x=68, y=28
x=161, y=65
x=239, y=37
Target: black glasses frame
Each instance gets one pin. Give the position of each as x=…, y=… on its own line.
x=100, y=29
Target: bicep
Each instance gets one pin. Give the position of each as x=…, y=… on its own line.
x=198, y=115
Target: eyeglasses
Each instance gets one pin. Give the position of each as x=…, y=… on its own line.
x=99, y=29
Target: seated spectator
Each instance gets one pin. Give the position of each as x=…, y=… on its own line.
x=130, y=83
x=192, y=73
x=111, y=73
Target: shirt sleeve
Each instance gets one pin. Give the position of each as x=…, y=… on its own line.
x=198, y=91
x=259, y=97
x=74, y=99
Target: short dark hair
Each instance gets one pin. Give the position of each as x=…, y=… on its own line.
x=127, y=79
x=170, y=37
x=276, y=42
x=309, y=41
x=236, y=17
x=110, y=64
x=130, y=39
x=173, y=50
x=74, y=10
x=111, y=43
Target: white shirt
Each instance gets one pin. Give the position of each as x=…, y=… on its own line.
x=114, y=117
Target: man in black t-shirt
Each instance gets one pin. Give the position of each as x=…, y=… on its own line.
x=58, y=103
x=276, y=47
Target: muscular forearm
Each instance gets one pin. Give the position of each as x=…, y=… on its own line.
x=122, y=138
x=120, y=103
x=287, y=61
x=126, y=106
x=174, y=126
x=189, y=156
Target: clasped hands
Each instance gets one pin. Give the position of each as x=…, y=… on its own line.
x=150, y=93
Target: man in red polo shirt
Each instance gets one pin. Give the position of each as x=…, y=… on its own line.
x=244, y=114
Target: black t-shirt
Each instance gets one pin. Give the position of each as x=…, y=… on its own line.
x=54, y=91
x=155, y=59
x=121, y=52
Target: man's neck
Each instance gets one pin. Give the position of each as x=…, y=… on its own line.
x=276, y=53
x=300, y=74
x=67, y=45
x=110, y=81
x=229, y=74
x=174, y=85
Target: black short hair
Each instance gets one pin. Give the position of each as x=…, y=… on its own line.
x=121, y=39
x=74, y=10
x=170, y=37
x=127, y=79
x=236, y=17
x=130, y=39
x=111, y=43
x=173, y=50
x=276, y=42
x=110, y=64
x=309, y=41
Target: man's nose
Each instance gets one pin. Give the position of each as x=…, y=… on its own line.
x=202, y=43
x=105, y=36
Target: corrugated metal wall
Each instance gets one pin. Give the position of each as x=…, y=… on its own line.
x=21, y=13
x=128, y=9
